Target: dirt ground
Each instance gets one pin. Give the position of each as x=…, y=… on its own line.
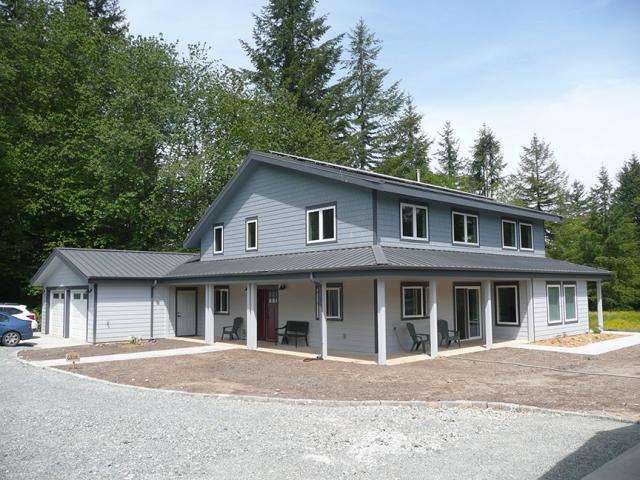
x=591, y=385
x=105, y=349
x=579, y=340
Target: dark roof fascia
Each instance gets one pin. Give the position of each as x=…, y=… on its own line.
x=57, y=253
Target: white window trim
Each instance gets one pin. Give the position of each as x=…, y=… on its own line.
x=560, y=296
x=564, y=302
x=339, y=290
x=246, y=235
x=530, y=225
x=515, y=225
x=415, y=222
x=422, y=302
x=515, y=289
x=465, y=215
x=320, y=210
x=215, y=293
x=216, y=250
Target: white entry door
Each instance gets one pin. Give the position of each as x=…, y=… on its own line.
x=56, y=313
x=186, y=312
x=78, y=315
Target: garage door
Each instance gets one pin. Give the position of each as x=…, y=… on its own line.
x=78, y=315
x=56, y=316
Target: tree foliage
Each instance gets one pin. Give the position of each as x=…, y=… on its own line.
x=486, y=164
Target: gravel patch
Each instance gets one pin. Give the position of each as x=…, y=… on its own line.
x=59, y=426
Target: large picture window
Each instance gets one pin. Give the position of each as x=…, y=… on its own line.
x=221, y=300
x=414, y=301
x=218, y=239
x=465, y=228
x=414, y=222
x=507, y=310
x=526, y=236
x=321, y=224
x=509, y=235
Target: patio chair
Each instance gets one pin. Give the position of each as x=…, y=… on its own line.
x=234, y=329
x=419, y=339
x=445, y=334
x=293, y=330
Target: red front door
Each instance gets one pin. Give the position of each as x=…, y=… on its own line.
x=267, y=313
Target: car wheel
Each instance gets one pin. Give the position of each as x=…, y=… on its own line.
x=11, y=339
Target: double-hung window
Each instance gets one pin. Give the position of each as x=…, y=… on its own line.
x=251, y=234
x=221, y=300
x=526, y=236
x=561, y=303
x=507, y=310
x=332, y=303
x=509, y=235
x=465, y=228
x=554, y=306
x=570, y=310
x=414, y=222
x=321, y=224
x=414, y=301
x=218, y=239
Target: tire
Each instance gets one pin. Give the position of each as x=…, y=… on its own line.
x=11, y=339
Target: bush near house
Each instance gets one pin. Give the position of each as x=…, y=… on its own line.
x=628, y=321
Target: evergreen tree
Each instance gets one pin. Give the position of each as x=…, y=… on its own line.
x=448, y=155
x=540, y=182
x=371, y=108
x=600, y=202
x=487, y=164
x=577, y=201
x=107, y=14
x=289, y=54
x=407, y=151
x=627, y=195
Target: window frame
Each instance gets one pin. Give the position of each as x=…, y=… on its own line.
x=320, y=209
x=530, y=225
x=424, y=287
x=557, y=285
x=415, y=207
x=515, y=234
x=221, y=288
x=509, y=285
x=214, y=245
x=465, y=215
x=564, y=302
x=247, y=222
x=340, y=289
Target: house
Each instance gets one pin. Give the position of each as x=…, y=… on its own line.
x=355, y=254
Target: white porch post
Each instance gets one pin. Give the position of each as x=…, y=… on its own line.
x=209, y=319
x=599, y=299
x=382, y=322
x=433, y=319
x=531, y=322
x=252, y=319
x=323, y=320
x=488, y=314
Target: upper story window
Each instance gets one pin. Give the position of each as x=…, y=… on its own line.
x=509, y=235
x=251, y=234
x=321, y=224
x=465, y=228
x=218, y=239
x=526, y=236
x=414, y=222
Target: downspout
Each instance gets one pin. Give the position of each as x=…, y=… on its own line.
x=153, y=288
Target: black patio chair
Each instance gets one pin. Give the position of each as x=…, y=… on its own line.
x=445, y=334
x=234, y=329
x=419, y=339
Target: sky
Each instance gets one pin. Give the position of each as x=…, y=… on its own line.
x=568, y=70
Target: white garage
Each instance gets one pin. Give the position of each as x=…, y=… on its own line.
x=111, y=295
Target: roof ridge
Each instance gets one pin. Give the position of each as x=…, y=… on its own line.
x=83, y=249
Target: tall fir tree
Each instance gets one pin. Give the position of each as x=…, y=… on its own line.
x=371, y=108
x=407, y=150
x=486, y=164
x=600, y=202
x=449, y=160
x=290, y=54
x=541, y=184
x=577, y=201
x=627, y=195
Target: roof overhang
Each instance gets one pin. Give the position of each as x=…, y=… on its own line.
x=50, y=264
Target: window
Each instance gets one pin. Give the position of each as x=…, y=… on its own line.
x=218, y=239
x=526, y=236
x=507, y=305
x=84, y=296
x=465, y=228
x=570, y=311
x=414, y=222
x=334, y=301
x=509, y=237
x=221, y=300
x=77, y=296
x=553, y=304
x=251, y=234
x=321, y=224
x=3, y=317
x=414, y=301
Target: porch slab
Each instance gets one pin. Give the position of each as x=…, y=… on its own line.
x=627, y=339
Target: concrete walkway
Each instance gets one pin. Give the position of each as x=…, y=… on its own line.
x=174, y=352
x=623, y=467
x=598, y=348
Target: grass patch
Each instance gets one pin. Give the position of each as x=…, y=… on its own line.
x=625, y=321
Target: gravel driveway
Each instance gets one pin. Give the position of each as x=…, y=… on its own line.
x=85, y=429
